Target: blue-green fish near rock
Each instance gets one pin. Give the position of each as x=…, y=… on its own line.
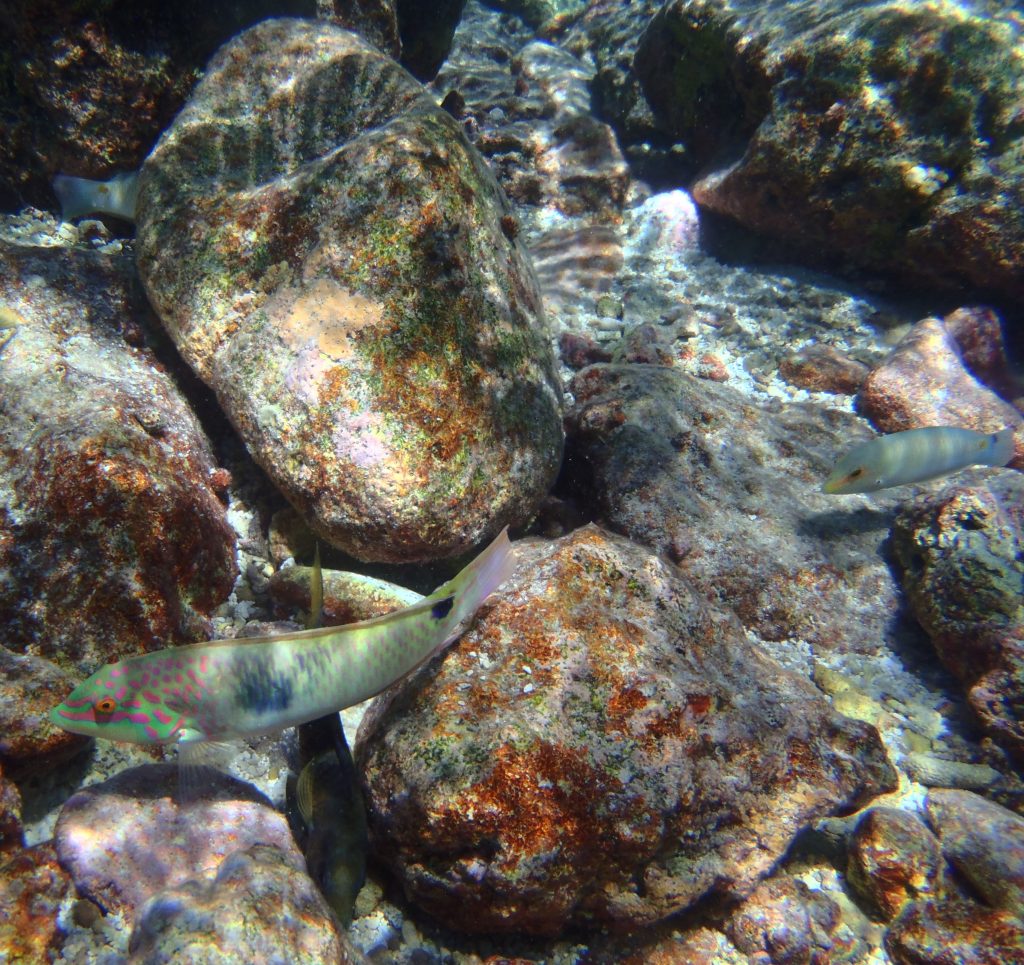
x=917, y=455
x=79, y=196
x=227, y=689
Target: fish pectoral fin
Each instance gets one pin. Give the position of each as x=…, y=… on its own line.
x=196, y=757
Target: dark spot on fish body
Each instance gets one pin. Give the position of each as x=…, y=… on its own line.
x=442, y=608
x=260, y=688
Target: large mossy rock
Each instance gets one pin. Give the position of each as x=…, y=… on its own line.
x=327, y=251
x=880, y=136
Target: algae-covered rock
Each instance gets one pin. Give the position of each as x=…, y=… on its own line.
x=962, y=562
x=881, y=135
x=603, y=747
x=326, y=249
x=113, y=535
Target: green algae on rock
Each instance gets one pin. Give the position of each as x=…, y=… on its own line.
x=960, y=552
x=878, y=135
x=326, y=249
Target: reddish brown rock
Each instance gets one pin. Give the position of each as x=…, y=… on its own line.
x=924, y=382
x=984, y=842
x=29, y=687
x=602, y=747
x=979, y=336
x=730, y=491
x=11, y=837
x=32, y=887
x=785, y=922
x=578, y=351
x=823, y=368
x=893, y=860
x=113, y=538
x=963, y=572
x=955, y=933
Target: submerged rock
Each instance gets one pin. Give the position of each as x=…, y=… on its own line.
x=29, y=687
x=877, y=134
x=984, y=842
x=893, y=860
x=32, y=888
x=11, y=836
x=140, y=832
x=960, y=552
x=785, y=921
x=602, y=747
x=113, y=537
x=261, y=907
x=925, y=382
x=955, y=933
x=731, y=492
x=327, y=251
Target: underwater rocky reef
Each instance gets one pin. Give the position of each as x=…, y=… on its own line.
x=344, y=291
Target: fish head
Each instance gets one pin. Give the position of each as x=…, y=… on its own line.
x=119, y=703
x=852, y=474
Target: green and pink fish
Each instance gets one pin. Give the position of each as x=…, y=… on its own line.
x=223, y=690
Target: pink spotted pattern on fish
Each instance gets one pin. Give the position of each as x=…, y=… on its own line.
x=238, y=688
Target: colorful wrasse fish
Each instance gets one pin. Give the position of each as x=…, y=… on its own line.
x=917, y=455
x=227, y=689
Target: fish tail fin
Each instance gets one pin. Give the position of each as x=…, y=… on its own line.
x=1001, y=447
x=77, y=196
x=80, y=196
x=477, y=581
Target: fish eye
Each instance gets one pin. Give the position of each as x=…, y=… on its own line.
x=105, y=706
x=856, y=473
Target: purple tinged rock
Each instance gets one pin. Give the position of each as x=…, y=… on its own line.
x=603, y=747
x=260, y=907
x=129, y=837
x=784, y=921
x=955, y=933
x=327, y=251
x=984, y=841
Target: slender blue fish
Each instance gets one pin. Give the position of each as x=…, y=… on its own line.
x=917, y=455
